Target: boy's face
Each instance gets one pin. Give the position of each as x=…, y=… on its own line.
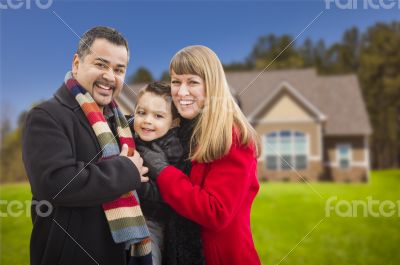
x=153, y=117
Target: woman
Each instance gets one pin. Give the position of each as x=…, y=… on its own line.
x=175, y=240
x=222, y=184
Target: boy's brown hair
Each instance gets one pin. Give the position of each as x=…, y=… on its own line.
x=162, y=89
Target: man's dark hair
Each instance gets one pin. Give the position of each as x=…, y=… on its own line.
x=160, y=89
x=100, y=32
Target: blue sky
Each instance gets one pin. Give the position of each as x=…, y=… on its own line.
x=37, y=47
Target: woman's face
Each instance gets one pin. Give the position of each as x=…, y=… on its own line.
x=188, y=93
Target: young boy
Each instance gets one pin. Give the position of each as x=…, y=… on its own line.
x=155, y=121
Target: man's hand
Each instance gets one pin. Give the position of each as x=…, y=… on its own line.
x=137, y=161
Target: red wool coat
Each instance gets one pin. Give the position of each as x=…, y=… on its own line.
x=218, y=196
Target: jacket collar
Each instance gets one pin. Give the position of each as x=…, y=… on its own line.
x=63, y=96
x=66, y=98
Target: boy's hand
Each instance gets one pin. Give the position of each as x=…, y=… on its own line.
x=155, y=159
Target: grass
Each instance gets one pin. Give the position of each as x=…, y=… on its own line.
x=15, y=231
x=289, y=224
x=283, y=214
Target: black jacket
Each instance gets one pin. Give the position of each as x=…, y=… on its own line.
x=61, y=156
x=182, y=242
x=153, y=206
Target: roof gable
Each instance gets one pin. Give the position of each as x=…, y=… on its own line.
x=285, y=86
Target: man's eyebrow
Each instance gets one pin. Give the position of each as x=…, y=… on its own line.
x=102, y=59
x=107, y=62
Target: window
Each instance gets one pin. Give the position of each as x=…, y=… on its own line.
x=286, y=150
x=343, y=156
x=271, y=145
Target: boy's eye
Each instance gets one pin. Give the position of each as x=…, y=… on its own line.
x=140, y=112
x=175, y=82
x=158, y=116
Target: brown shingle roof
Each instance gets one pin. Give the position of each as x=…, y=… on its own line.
x=337, y=97
x=127, y=97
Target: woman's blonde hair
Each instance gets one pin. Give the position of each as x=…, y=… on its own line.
x=212, y=135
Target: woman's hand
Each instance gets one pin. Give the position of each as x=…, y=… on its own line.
x=154, y=158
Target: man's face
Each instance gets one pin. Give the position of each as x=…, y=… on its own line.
x=102, y=71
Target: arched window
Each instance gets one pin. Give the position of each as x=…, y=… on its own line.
x=286, y=150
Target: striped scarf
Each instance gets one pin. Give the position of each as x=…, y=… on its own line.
x=124, y=216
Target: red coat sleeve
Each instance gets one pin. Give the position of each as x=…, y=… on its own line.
x=226, y=185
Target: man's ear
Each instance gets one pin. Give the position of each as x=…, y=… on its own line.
x=176, y=122
x=75, y=64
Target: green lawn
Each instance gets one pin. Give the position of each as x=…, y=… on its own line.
x=288, y=221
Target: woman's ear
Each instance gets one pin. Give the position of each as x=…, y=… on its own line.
x=176, y=122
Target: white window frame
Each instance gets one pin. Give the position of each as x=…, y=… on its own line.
x=292, y=154
x=338, y=156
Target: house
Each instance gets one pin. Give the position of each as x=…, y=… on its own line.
x=312, y=127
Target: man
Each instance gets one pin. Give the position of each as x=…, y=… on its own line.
x=72, y=166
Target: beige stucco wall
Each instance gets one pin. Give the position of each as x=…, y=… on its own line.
x=287, y=113
x=285, y=108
